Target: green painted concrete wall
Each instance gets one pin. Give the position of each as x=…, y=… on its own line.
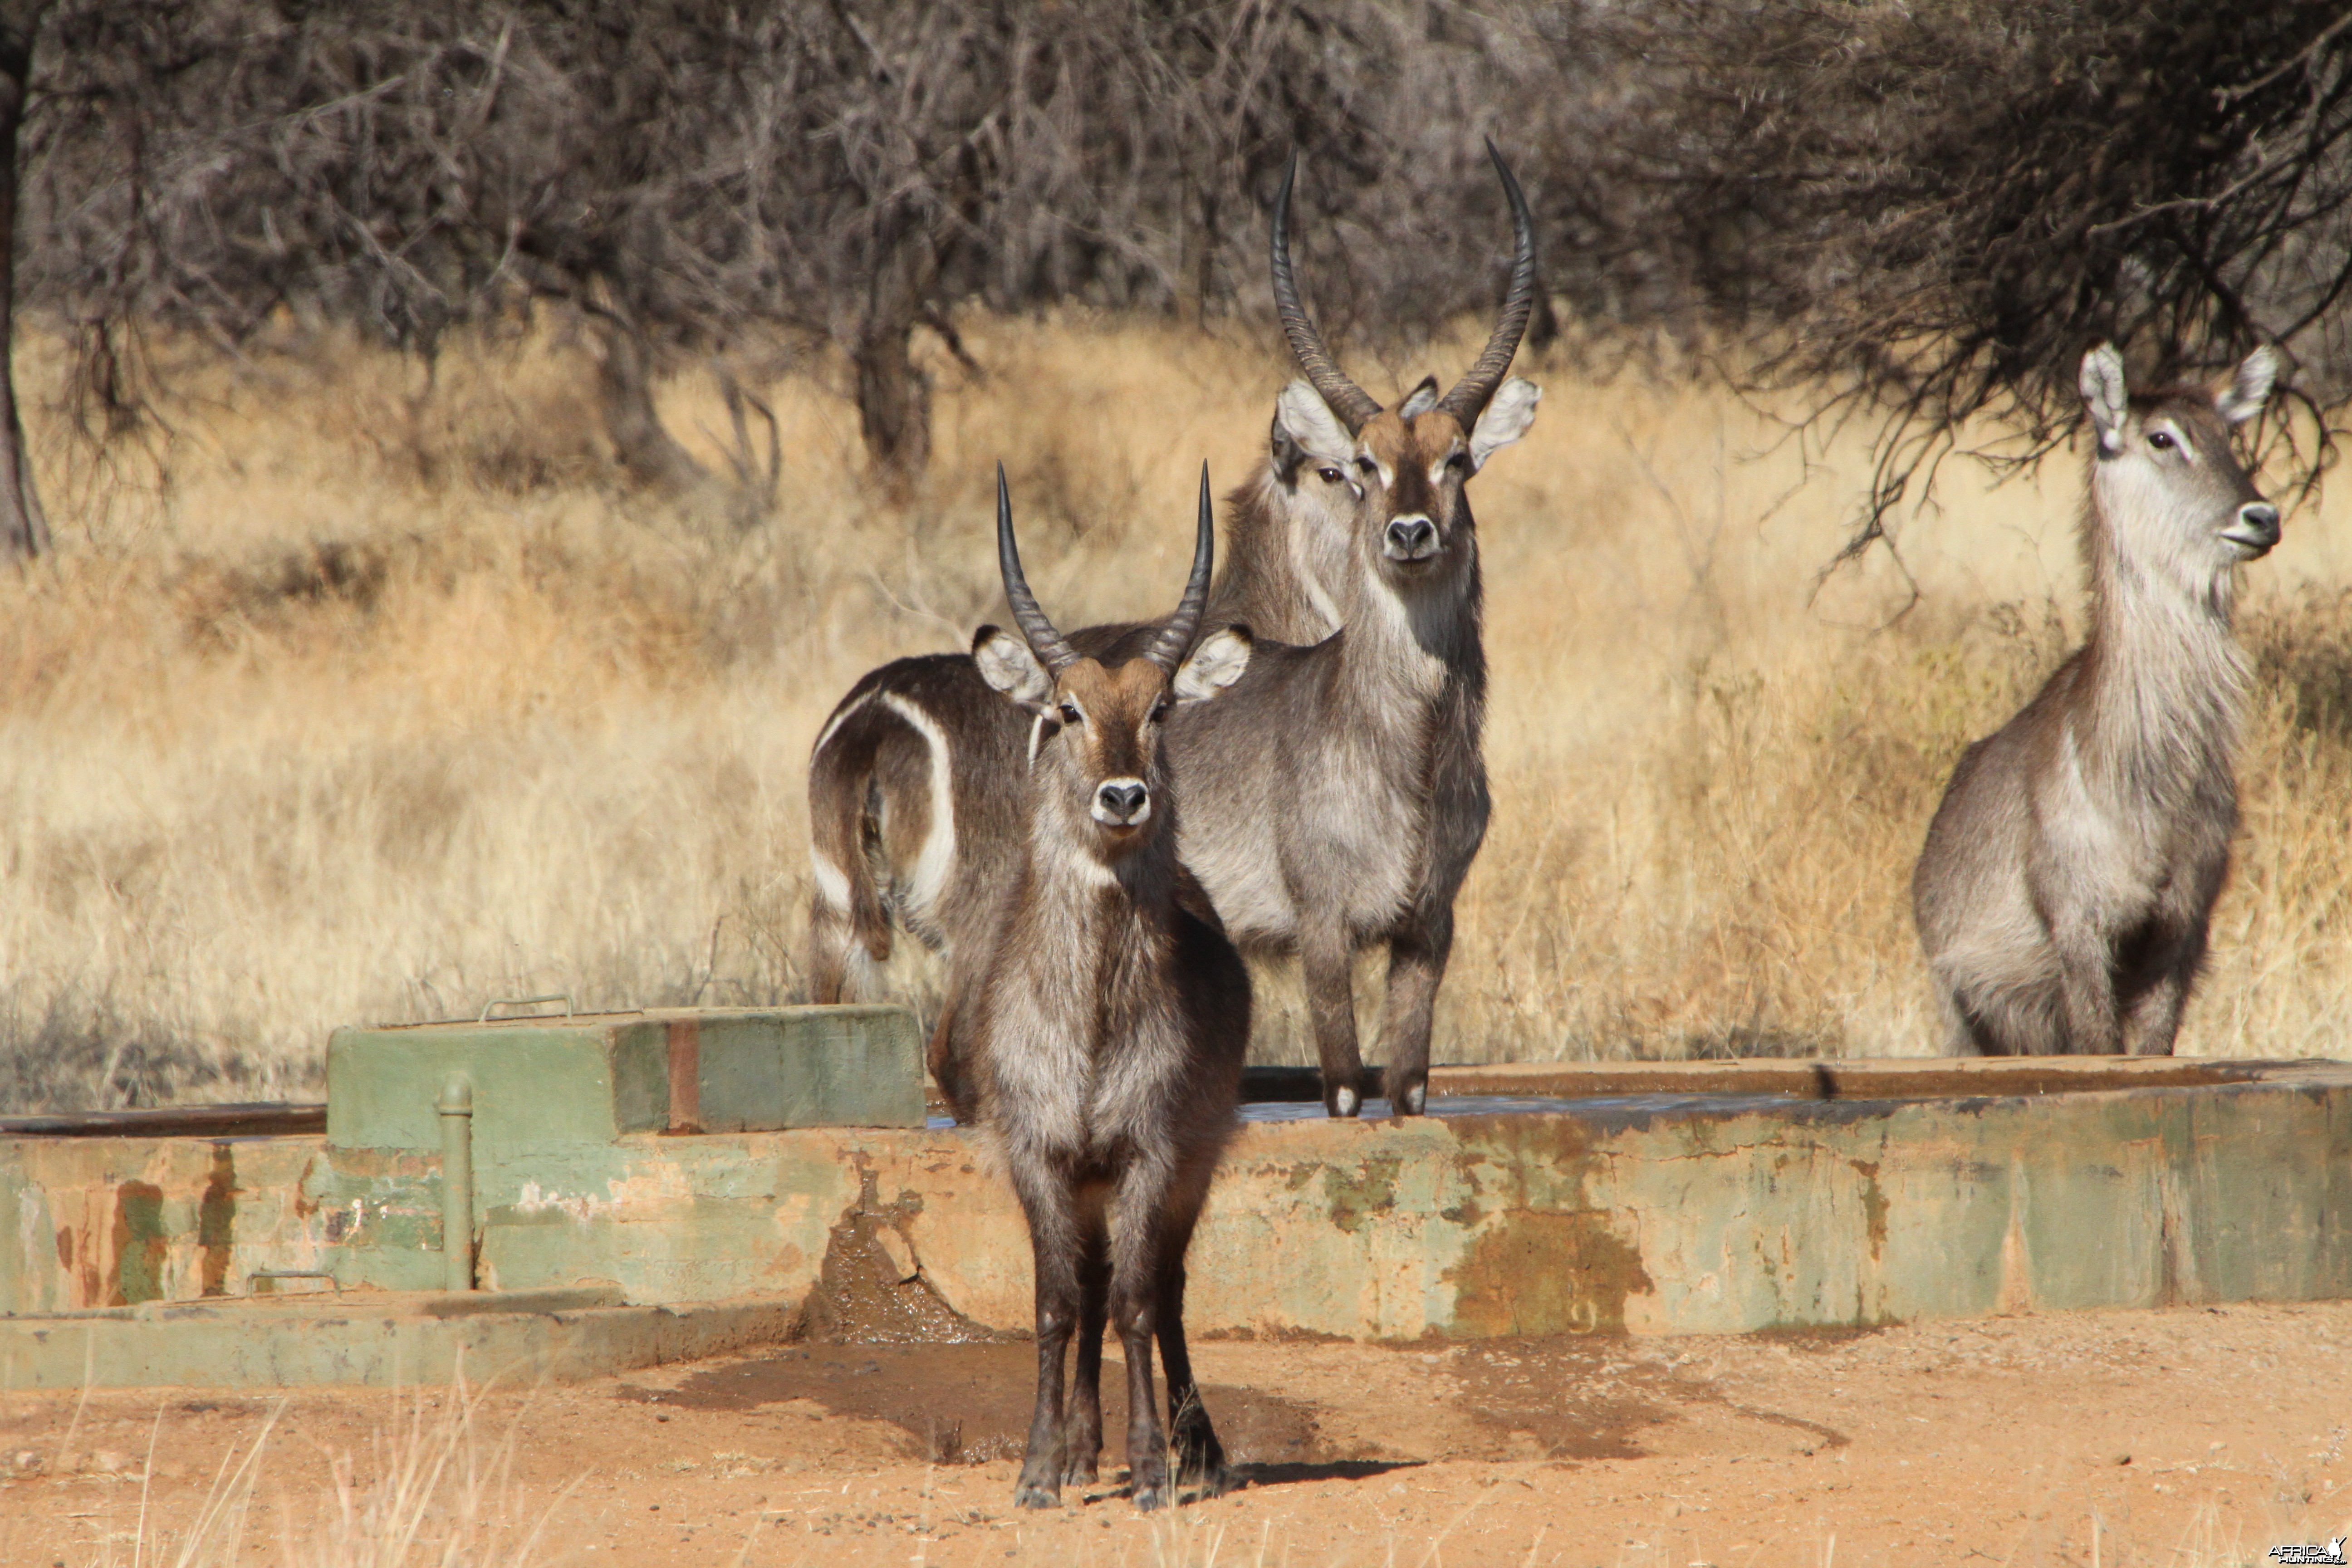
x=1653, y=1220
x=549, y=1083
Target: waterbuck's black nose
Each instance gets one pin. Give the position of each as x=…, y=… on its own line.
x=2257, y=527
x=1122, y=803
x=1411, y=539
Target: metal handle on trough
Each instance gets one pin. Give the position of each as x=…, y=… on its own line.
x=488, y=1008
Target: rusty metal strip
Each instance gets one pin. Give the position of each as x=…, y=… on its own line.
x=261, y=1120
x=684, y=1075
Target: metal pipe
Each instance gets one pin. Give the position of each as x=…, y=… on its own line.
x=456, y=1108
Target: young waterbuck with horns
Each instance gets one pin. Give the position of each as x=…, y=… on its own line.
x=909, y=818
x=1341, y=793
x=1108, y=1017
x=2069, y=875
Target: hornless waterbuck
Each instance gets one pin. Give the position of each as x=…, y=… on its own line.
x=1343, y=794
x=2069, y=875
x=1108, y=1017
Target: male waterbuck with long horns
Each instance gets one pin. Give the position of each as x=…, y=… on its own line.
x=1341, y=794
x=2069, y=875
x=1108, y=1018
x=1384, y=802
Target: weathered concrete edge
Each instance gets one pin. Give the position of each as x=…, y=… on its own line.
x=247, y=1347
x=1656, y=1217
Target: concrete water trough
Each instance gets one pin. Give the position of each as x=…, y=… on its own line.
x=643, y=1187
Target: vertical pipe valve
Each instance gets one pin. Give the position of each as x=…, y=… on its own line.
x=456, y=1108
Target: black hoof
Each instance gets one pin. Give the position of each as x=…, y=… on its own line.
x=1199, y=1456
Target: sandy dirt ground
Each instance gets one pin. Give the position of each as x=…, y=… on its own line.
x=2187, y=1437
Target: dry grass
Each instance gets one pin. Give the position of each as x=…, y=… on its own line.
x=360, y=698
x=433, y=1491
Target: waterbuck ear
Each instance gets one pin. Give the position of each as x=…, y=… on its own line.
x=2104, y=394
x=1308, y=420
x=1217, y=661
x=1285, y=453
x=1006, y=664
x=1421, y=401
x=2250, y=388
x=1508, y=414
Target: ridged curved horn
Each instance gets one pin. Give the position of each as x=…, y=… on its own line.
x=1351, y=403
x=1470, y=395
x=1044, y=641
x=1175, y=639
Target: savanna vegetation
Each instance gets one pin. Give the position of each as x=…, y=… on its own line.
x=466, y=449
x=378, y=697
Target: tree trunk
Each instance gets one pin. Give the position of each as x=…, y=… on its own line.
x=894, y=395
x=1543, y=322
x=1196, y=267
x=644, y=448
x=24, y=529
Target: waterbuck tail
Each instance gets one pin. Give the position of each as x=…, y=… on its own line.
x=850, y=930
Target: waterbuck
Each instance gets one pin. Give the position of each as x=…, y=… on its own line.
x=1344, y=794
x=2069, y=875
x=1108, y=1017
x=1343, y=810
x=909, y=819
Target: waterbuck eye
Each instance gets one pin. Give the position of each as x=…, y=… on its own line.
x=2161, y=440
x=1459, y=460
x=1329, y=476
x=1368, y=465
x=1160, y=711
x=1070, y=714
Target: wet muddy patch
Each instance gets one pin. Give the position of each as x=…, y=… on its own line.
x=1563, y=1398
x=1604, y=1397
x=968, y=1404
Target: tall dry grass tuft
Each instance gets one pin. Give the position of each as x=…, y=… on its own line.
x=435, y=1490
x=358, y=694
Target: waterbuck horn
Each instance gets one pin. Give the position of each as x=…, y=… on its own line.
x=1175, y=638
x=1047, y=644
x=1351, y=403
x=1468, y=399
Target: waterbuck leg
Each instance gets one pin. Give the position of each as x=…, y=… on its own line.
x=1200, y=1457
x=1416, y=965
x=2086, y=992
x=829, y=943
x=1136, y=1254
x=2153, y=1020
x=941, y=1058
x=1054, y=1241
x=1325, y=959
x=1082, y=1424
x=1959, y=1038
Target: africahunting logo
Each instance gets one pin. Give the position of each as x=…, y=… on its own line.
x=2331, y=1553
